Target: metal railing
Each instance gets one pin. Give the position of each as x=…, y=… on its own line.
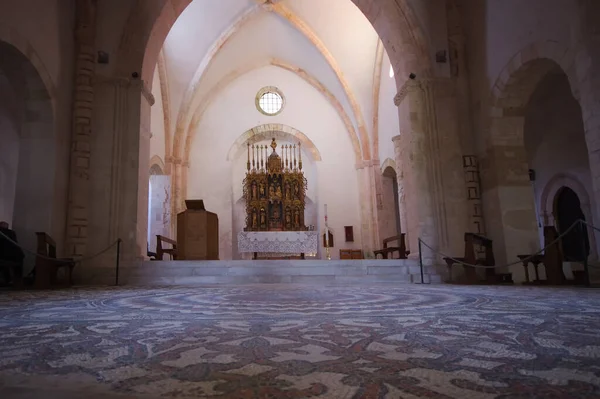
x=579, y=223
x=117, y=243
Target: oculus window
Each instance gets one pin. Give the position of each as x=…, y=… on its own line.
x=270, y=101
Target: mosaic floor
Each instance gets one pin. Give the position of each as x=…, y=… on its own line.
x=297, y=342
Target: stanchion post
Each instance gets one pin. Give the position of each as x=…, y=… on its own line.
x=421, y=261
x=584, y=250
x=118, y=259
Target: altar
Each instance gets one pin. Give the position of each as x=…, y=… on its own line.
x=275, y=191
x=278, y=243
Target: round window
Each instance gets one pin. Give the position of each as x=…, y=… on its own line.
x=270, y=101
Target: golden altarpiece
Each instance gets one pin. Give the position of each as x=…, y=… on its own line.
x=274, y=188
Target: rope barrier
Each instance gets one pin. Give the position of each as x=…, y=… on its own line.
x=76, y=260
x=456, y=261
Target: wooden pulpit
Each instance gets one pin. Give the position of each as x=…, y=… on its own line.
x=197, y=233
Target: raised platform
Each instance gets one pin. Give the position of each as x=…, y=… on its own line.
x=317, y=272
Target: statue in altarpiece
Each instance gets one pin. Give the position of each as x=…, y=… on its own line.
x=274, y=189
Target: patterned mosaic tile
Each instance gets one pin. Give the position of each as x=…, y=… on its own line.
x=297, y=342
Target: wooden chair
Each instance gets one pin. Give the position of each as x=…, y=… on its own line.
x=401, y=248
x=470, y=257
x=160, y=251
x=46, y=270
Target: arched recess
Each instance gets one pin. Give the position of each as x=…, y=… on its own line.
x=548, y=203
x=507, y=192
x=389, y=216
x=277, y=131
x=179, y=172
x=259, y=133
x=159, y=202
x=28, y=150
x=157, y=166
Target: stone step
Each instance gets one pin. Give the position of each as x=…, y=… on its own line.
x=368, y=271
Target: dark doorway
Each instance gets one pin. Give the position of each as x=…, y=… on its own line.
x=575, y=245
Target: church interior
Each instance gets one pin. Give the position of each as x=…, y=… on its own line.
x=299, y=198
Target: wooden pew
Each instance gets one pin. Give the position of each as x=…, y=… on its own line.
x=46, y=270
x=491, y=277
x=552, y=259
x=401, y=248
x=160, y=251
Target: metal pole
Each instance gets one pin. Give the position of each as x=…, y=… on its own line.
x=118, y=259
x=586, y=270
x=421, y=262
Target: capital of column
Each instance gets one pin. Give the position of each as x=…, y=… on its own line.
x=408, y=86
x=127, y=83
x=415, y=85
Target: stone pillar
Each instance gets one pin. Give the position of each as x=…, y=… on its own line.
x=116, y=170
x=83, y=100
x=431, y=159
x=367, y=216
x=588, y=75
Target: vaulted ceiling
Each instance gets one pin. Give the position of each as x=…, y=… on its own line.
x=331, y=42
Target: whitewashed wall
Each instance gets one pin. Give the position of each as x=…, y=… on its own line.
x=233, y=112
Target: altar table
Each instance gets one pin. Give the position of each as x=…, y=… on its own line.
x=278, y=242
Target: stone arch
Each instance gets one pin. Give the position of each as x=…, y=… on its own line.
x=519, y=77
x=554, y=186
x=28, y=151
x=10, y=35
x=389, y=163
x=548, y=202
x=508, y=195
x=277, y=131
x=394, y=21
x=157, y=166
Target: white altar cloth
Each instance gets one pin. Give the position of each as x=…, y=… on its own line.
x=285, y=242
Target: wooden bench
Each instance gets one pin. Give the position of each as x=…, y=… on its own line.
x=491, y=277
x=401, y=248
x=46, y=270
x=160, y=251
x=552, y=259
x=351, y=254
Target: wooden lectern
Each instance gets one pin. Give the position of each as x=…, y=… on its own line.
x=197, y=233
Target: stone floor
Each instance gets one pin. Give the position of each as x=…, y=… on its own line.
x=287, y=341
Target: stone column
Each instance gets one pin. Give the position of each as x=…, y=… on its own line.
x=588, y=75
x=367, y=216
x=116, y=168
x=431, y=158
x=83, y=100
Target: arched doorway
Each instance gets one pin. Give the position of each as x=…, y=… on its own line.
x=27, y=152
x=567, y=210
x=389, y=224
x=159, y=208
x=537, y=117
